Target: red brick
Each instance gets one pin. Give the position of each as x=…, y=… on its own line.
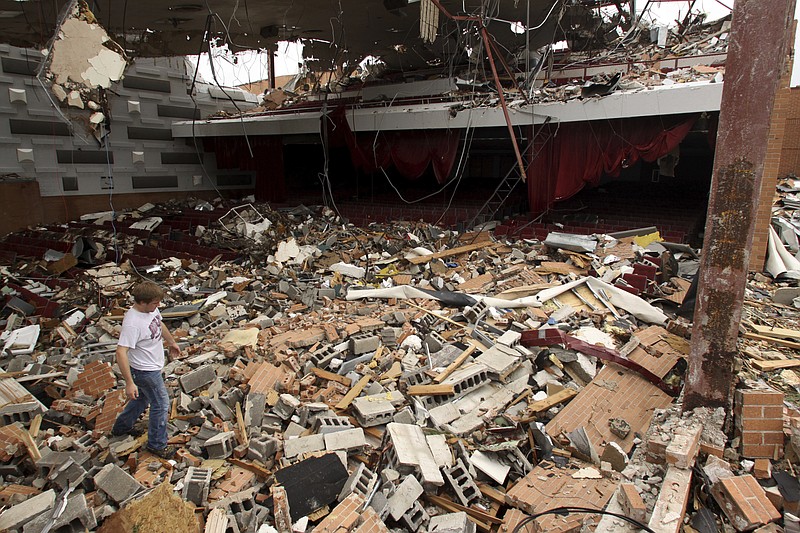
x=96, y=378
x=631, y=502
x=344, y=516
x=744, y=502
x=371, y=523
x=762, y=469
x=113, y=404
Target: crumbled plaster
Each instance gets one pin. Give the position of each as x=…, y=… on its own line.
x=79, y=55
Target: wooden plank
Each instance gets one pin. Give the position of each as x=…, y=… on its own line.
x=780, y=333
x=242, y=433
x=27, y=440
x=453, y=507
x=449, y=253
x=492, y=493
x=259, y=471
x=33, y=430
x=766, y=366
x=430, y=390
x=352, y=394
x=456, y=363
x=330, y=376
x=553, y=267
x=552, y=400
x=436, y=315
x=773, y=340
x=217, y=521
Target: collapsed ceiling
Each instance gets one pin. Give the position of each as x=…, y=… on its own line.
x=334, y=33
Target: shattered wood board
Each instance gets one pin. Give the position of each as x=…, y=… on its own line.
x=547, y=488
x=615, y=392
x=12, y=392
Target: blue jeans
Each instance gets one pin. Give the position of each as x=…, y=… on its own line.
x=152, y=392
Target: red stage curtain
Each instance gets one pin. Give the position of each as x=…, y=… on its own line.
x=564, y=159
x=411, y=152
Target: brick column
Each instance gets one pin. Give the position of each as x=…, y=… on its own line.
x=783, y=146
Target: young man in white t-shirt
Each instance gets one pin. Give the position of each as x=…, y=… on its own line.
x=140, y=357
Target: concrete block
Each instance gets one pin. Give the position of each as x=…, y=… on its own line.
x=361, y=482
x=77, y=516
x=197, y=378
x=196, y=483
x=116, y=483
x=295, y=447
x=411, y=450
x=451, y=523
x=332, y=424
x=500, y=361
x=378, y=409
x=349, y=440
x=415, y=517
x=18, y=515
x=364, y=343
x=220, y=446
x=404, y=497
x=462, y=483
x=286, y=406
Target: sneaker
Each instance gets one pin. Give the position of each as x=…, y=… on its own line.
x=167, y=452
x=133, y=432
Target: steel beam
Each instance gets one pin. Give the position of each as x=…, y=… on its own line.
x=756, y=61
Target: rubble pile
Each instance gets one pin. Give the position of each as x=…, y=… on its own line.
x=394, y=377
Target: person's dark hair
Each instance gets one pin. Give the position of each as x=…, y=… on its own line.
x=146, y=292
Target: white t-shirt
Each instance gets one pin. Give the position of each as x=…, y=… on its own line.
x=141, y=333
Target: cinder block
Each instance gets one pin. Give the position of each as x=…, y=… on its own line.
x=364, y=343
x=116, y=483
x=348, y=440
x=404, y=497
x=462, y=483
x=197, y=378
x=23, y=512
x=220, y=446
x=196, y=483
x=451, y=523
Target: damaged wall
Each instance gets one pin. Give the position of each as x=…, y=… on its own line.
x=71, y=170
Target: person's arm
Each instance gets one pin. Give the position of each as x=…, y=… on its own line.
x=174, y=349
x=131, y=390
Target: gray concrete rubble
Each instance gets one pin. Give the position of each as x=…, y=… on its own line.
x=322, y=386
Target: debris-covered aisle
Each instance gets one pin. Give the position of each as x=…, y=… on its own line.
x=391, y=377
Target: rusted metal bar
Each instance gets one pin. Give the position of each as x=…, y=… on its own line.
x=756, y=61
x=507, y=68
x=511, y=131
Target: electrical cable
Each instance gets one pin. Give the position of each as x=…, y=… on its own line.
x=585, y=510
